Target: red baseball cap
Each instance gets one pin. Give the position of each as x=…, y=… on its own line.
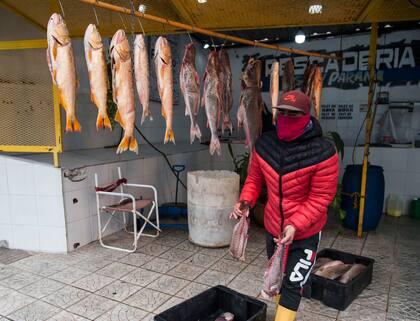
x=294, y=100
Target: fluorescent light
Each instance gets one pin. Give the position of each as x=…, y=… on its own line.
x=201, y=1
x=315, y=34
x=206, y=46
x=387, y=26
x=328, y=32
x=357, y=29
x=315, y=9
x=142, y=8
x=300, y=37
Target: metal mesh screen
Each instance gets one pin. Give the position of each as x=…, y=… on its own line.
x=26, y=99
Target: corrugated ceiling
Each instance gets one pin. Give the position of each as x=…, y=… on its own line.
x=221, y=14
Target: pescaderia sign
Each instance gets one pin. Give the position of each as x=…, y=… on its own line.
x=397, y=64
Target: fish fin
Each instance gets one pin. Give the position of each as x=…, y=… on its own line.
x=169, y=135
x=69, y=126
x=163, y=113
x=134, y=147
x=89, y=55
x=215, y=146
x=227, y=124
x=123, y=146
x=54, y=51
x=107, y=122
x=119, y=119
x=103, y=121
x=76, y=125
x=195, y=132
x=93, y=98
x=144, y=115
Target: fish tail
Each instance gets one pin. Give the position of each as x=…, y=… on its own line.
x=134, y=147
x=103, y=121
x=72, y=124
x=123, y=146
x=195, y=132
x=146, y=113
x=215, y=146
x=169, y=135
x=227, y=124
x=107, y=122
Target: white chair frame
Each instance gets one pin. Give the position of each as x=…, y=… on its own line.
x=136, y=214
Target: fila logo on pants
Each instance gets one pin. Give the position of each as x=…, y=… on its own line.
x=302, y=268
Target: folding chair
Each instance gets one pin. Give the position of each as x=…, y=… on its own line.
x=128, y=204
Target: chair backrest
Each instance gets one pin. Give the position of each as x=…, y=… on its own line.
x=111, y=187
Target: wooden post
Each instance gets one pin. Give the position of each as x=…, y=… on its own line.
x=369, y=122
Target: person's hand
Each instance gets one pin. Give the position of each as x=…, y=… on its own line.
x=288, y=236
x=241, y=208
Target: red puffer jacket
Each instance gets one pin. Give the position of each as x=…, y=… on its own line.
x=301, y=178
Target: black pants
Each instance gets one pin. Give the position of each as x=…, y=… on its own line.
x=300, y=258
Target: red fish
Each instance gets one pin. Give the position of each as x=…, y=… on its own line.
x=240, y=238
x=273, y=275
x=227, y=90
x=227, y=316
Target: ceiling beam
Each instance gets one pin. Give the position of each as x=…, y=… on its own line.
x=183, y=12
x=372, y=6
x=23, y=15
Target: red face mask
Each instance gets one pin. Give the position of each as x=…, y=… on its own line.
x=289, y=128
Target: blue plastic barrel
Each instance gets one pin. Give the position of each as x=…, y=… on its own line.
x=375, y=190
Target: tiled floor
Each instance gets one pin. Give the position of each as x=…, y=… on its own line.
x=94, y=283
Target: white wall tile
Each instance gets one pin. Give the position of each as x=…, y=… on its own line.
x=78, y=232
x=5, y=215
x=6, y=234
x=52, y=239
x=94, y=227
x=3, y=177
x=48, y=180
x=76, y=205
x=413, y=159
x=412, y=185
x=25, y=237
x=20, y=177
x=23, y=210
x=50, y=211
x=69, y=185
x=395, y=182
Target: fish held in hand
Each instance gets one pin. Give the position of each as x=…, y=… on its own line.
x=352, y=273
x=227, y=316
x=227, y=90
x=163, y=68
x=190, y=87
x=212, y=99
x=274, y=89
x=240, y=237
x=251, y=103
x=141, y=73
x=122, y=90
x=273, y=275
x=98, y=76
x=62, y=67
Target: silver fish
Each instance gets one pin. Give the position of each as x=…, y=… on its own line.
x=273, y=275
x=240, y=238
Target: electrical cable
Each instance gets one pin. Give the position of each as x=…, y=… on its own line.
x=163, y=154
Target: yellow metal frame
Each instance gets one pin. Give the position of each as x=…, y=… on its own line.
x=58, y=148
x=370, y=118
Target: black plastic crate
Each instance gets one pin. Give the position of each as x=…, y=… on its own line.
x=333, y=293
x=208, y=305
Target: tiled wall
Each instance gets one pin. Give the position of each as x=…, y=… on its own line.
x=31, y=206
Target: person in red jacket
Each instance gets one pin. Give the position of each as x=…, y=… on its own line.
x=300, y=169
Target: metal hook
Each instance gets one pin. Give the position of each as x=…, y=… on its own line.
x=189, y=35
x=212, y=41
x=62, y=9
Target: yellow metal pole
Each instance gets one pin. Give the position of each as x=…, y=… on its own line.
x=112, y=7
x=369, y=123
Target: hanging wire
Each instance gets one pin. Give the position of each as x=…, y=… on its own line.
x=96, y=15
x=132, y=18
x=138, y=19
x=189, y=35
x=62, y=9
x=212, y=41
x=122, y=20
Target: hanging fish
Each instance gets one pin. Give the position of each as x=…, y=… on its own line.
x=251, y=103
x=308, y=80
x=273, y=275
x=288, y=83
x=212, y=99
x=60, y=60
x=227, y=90
x=122, y=89
x=190, y=87
x=274, y=89
x=141, y=73
x=317, y=91
x=163, y=68
x=98, y=77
